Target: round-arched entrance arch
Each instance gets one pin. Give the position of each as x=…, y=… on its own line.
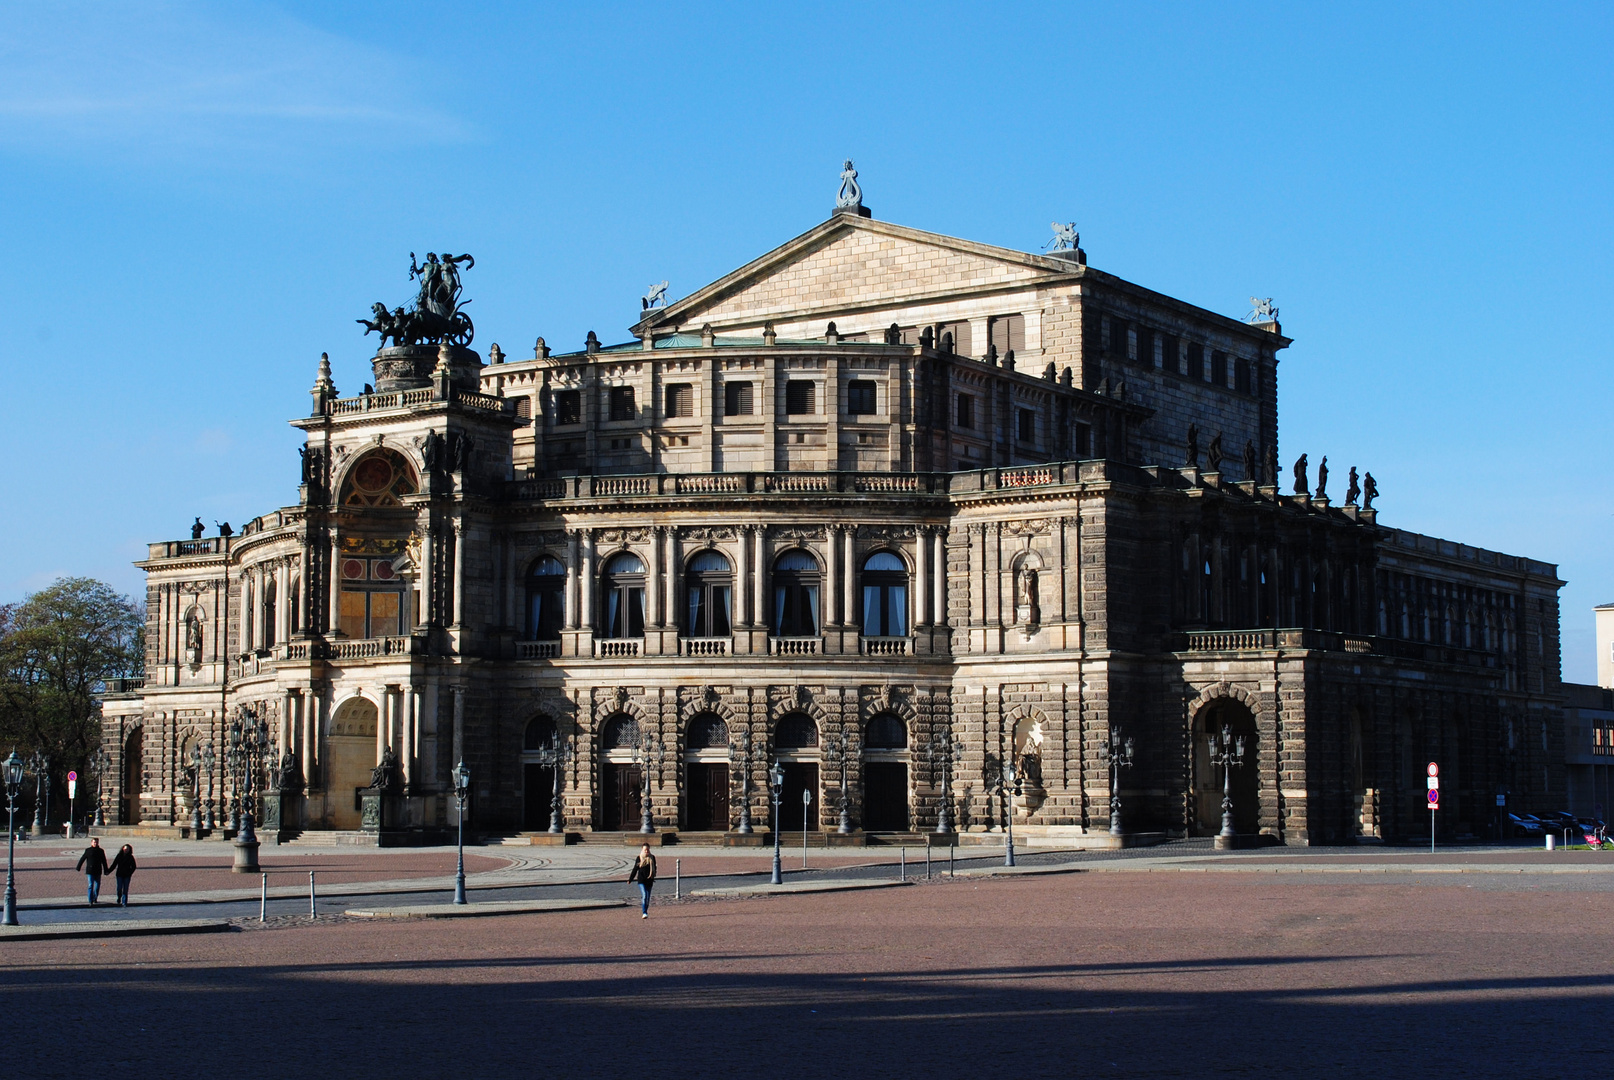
x=134, y=779
x=350, y=759
x=1233, y=716
x=885, y=774
x=795, y=743
x=539, y=776
x=706, y=774
x=621, y=778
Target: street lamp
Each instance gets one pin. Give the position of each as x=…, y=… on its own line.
x=13, y=769
x=97, y=768
x=193, y=765
x=943, y=754
x=1008, y=787
x=562, y=756
x=462, y=790
x=776, y=783
x=650, y=749
x=1227, y=753
x=742, y=750
x=1119, y=752
x=208, y=761
x=249, y=740
x=39, y=765
x=836, y=748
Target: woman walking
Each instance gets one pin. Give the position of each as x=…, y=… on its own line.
x=644, y=875
x=123, y=868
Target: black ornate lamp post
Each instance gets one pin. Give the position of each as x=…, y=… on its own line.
x=209, y=759
x=249, y=734
x=557, y=803
x=193, y=765
x=39, y=765
x=836, y=749
x=742, y=750
x=97, y=769
x=1119, y=753
x=1008, y=787
x=1226, y=753
x=650, y=750
x=776, y=784
x=943, y=753
x=462, y=790
x=233, y=757
x=12, y=769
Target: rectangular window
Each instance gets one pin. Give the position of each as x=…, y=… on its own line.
x=1118, y=338
x=1241, y=376
x=1196, y=361
x=680, y=400
x=737, y=399
x=1219, y=368
x=966, y=411
x=622, y=406
x=1145, y=347
x=961, y=336
x=860, y=395
x=799, y=397
x=568, y=407
x=1083, y=440
x=1026, y=425
x=366, y=614
x=1007, y=332
x=524, y=407
x=1171, y=353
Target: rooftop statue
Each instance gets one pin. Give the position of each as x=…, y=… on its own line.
x=436, y=316
x=1322, y=478
x=1352, y=489
x=1262, y=310
x=656, y=295
x=1066, y=238
x=1302, y=485
x=850, y=195
x=1213, y=456
x=1370, y=491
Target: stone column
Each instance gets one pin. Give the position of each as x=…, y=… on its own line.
x=573, y=579
x=383, y=724
x=410, y=737
x=849, y=589
x=921, y=566
x=758, y=611
x=742, y=580
x=310, y=748
x=428, y=578
x=833, y=615
x=585, y=592
x=459, y=572
x=333, y=584
x=459, y=724
x=511, y=617
x=288, y=708
x=653, y=590
x=938, y=584
x=283, y=602
x=674, y=561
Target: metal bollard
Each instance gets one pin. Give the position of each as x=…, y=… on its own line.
x=1550, y=839
x=263, y=900
x=951, y=848
x=678, y=878
x=927, y=861
x=313, y=913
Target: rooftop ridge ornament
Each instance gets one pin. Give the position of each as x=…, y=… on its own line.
x=657, y=296
x=1261, y=310
x=850, y=198
x=436, y=317
x=1066, y=238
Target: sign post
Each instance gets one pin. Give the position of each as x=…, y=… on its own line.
x=72, y=794
x=1434, y=802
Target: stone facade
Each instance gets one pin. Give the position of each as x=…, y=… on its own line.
x=889, y=508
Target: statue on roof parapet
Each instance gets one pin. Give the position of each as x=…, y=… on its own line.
x=1261, y=310
x=1272, y=465
x=1322, y=478
x=656, y=297
x=437, y=317
x=1370, y=491
x=1352, y=488
x=1249, y=462
x=1192, y=444
x=1066, y=238
x=1213, y=456
x=849, y=200
x=1302, y=485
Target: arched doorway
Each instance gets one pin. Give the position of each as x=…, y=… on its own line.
x=706, y=772
x=538, y=774
x=795, y=743
x=133, y=777
x=885, y=774
x=350, y=759
x=621, y=779
x=1233, y=716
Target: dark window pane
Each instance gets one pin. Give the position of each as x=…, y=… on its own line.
x=1241, y=376
x=1145, y=347
x=680, y=400
x=1196, y=361
x=1171, y=354
x=1008, y=332
x=860, y=397
x=568, y=407
x=1219, y=368
x=1027, y=425
x=966, y=411
x=799, y=397
x=1118, y=338
x=622, y=406
x=737, y=399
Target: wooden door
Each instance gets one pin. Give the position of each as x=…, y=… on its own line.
x=885, y=796
x=538, y=799
x=800, y=776
x=708, y=797
x=621, y=811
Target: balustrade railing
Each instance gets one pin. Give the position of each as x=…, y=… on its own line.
x=367, y=648
x=704, y=646
x=795, y=646
x=537, y=650
x=885, y=646
x=618, y=647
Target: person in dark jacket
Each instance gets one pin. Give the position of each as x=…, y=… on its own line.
x=123, y=868
x=644, y=875
x=93, y=864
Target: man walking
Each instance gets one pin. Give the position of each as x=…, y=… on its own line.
x=93, y=864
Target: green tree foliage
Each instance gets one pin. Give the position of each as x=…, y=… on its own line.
x=57, y=649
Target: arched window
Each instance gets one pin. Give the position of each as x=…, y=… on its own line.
x=886, y=732
x=795, y=595
x=707, y=732
x=621, y=732
x=885, y=596
x=709, y=584
x=541, y=734
x=795, y=732
x=269, y=614
x=546, y=599
x=380, y=478
x=622, y=597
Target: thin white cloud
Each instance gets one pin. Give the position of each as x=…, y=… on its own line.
x=156, y=79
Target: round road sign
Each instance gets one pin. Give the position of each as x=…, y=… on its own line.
x=71, y=777
x=1434, y=798
x=1434, y=770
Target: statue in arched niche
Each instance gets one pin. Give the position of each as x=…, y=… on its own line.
x=193, y=638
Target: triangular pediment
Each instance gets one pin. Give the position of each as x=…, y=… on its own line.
x=854, y=264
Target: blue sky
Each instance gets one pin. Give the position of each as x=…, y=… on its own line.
x=199, y=199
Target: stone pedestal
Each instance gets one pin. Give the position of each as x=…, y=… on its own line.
x=379, y=812
x=246, y=857
x=282, y=813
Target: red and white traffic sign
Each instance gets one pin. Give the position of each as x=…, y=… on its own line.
x=1434, y=798
x=1434, y=783
x=1434, y=769
x=72, y=776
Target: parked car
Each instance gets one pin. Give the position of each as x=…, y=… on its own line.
x=1525, y=826
x=1560, y=820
